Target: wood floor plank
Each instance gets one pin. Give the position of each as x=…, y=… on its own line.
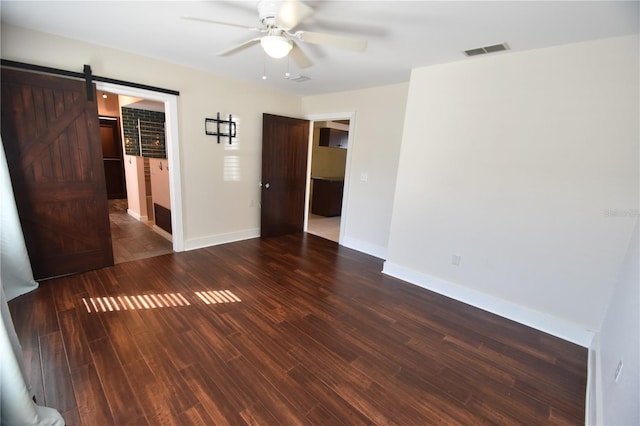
x=220, y=409
x=365, y=404
x=47, y=319
x=321, y=361
x=168, y=380
x=215, y=337
x=326, y=336
x=258, y=415
x=76, y=346
x=58, y=391
x=152, y=396
x=265, y=392
x=25, y=323
x=66, y=297
x=91, y=325
x=328, y=398
x=319, y=415
x=320, y=336
x=121, y=338
x=179, y=349
x=120, y=396
x=93, y=408
x=265, y=363
x=270, y=350
x=196, y=416
x=71, y=417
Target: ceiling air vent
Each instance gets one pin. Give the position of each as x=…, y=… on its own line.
x=486, y=49
x=298, y=78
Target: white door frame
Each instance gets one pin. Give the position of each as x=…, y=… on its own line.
x=351, y=116
x=173, y=150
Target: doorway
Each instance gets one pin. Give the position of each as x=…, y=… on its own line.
x=329, y=156
x=133, y=136
x=147, y=222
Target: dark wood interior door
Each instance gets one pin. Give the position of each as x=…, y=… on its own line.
x=51, y=136
x=112, y=158
x=285, y=144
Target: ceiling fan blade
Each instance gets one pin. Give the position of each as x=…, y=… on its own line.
x=292, y=12
x=299, y=57
x=332, y=40
x=228, y=24
x=239, y=47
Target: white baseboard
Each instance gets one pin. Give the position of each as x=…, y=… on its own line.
x=539, y=320
x=592, y=400
x=137, y=216
x=162, y=232
x=364, y=247
x=214, y=240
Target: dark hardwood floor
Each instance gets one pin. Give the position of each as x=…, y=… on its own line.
x=319, y=336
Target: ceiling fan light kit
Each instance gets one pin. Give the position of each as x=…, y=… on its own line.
x=278, y=18
x=276, y=46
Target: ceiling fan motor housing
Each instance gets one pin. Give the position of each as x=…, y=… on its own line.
x=268, y=9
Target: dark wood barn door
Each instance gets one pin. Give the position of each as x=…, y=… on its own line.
x=285, y=144
x=51, y=136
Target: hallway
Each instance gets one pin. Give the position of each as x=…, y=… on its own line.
x=325, y=227
x=132, y=239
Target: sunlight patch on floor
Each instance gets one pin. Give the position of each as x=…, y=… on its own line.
x=211, y=297
x=153, y=301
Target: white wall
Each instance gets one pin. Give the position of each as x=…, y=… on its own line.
x=160, y=182
x=136, y=193
x=326, y=161
x=518, y=163
x=374, y=150
x=619, y=340
x=219, y=183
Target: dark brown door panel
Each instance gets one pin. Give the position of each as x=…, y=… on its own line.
x=285, y=143
x=51, y=136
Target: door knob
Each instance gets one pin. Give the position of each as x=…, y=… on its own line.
x=266, y=185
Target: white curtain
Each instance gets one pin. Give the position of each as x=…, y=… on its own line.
x=16, y=278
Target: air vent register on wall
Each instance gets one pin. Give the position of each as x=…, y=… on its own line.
x=487, y=49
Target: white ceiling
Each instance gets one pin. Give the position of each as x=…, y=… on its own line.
x=401, y=34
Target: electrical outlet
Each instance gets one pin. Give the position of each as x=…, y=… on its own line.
x=616, y=375
x=364, y=177
x=455, y=260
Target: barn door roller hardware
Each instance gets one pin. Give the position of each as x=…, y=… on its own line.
x=218, y=127
x=88, y=78
x=85, y=75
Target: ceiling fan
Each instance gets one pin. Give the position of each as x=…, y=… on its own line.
x=278, y=19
